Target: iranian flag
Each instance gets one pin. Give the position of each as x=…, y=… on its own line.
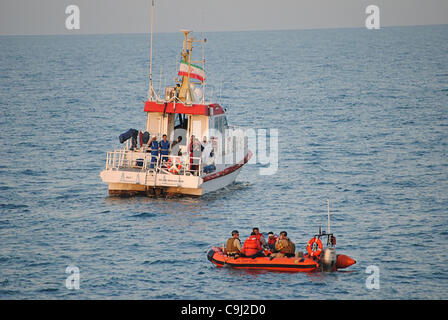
x=196, y=72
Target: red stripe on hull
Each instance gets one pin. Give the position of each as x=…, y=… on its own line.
x=228, y=170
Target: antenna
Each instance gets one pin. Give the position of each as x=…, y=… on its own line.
x=203, y=66
x=220, y=87
x=160, y=81
x=328, y=209
x=203, y=53
x=150, y=54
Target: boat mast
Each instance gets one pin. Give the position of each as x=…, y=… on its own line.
x=151, y=89
x=185, y=90
x=203, y=67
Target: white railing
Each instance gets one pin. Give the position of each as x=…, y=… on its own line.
x=140, y=160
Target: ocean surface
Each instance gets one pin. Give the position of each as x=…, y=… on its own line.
x=362, y=117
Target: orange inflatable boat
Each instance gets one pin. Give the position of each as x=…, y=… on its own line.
x=315, y=259
x=303, y=264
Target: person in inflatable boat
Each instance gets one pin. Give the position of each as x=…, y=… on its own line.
x=259, y=236
x=284, y=247
x=252, y=247
x=233, y=246
x=272, y=239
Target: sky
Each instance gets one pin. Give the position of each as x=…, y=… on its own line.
x=18, y=17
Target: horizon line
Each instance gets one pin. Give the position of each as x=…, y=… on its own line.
x=75, y=33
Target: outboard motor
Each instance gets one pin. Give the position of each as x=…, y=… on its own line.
x=328, y=259
x=328, y=256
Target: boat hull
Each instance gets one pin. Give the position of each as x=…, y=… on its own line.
x=162, y=187
x=132, y=181
x=293, y=264
x=302, y=264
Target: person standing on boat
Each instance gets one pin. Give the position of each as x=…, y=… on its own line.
x=175, y=147
x=154, y=151
x=284, y=247
x=252, y=247
x=145, y=139
x=164, y=146
x=190, y=151
x=207, y=152
x=203, y=143
x=194, y=148
x=197, y=152
x=233, y=246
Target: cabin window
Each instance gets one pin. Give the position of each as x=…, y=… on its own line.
x=220, y=123
x=197, y=129
x=177, y=122
x=180, y=121
x=155, y=123
x=180, y=127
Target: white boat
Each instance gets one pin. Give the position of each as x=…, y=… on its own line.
x=182, y=112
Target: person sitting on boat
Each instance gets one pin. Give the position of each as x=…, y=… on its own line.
x=252, y=247
x=154, y=152
x=272, y=239
x=164, y=146
x=259, y=236
x=284, y=247
x=233, y=246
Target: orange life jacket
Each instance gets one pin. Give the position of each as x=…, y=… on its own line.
x=272, y=240
x=251, y=246
x=259, y=235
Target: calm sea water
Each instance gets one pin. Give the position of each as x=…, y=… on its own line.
x=362, y=118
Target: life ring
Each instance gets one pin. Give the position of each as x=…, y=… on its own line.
x=174, y=166
x=309, y=247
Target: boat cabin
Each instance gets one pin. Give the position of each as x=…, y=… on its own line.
x=178, y=119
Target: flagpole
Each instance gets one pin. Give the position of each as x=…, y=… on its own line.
x=203, y=68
